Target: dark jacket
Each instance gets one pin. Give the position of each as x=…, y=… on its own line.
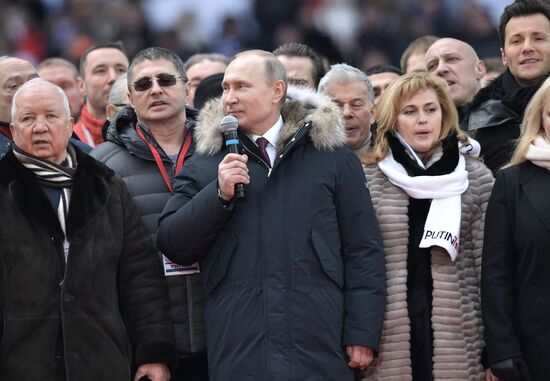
x=5, y=145
x=129, y=156
x=515, y=286
x=494, y=118
x=86, y=319
x=294, y=271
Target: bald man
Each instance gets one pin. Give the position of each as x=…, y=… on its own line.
x=457, y=63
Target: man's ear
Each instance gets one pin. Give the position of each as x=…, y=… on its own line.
x=12, y=129
x=480, y=69
x=110, y=111
x=71, y=125
x=130, y=99
x=278, y=91
x=504, y=61
x=81, y=86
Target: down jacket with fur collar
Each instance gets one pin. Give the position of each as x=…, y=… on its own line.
x=293, y=272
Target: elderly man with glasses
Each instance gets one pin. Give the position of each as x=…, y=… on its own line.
x=147, y=144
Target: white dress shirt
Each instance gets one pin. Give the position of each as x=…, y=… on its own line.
x=271, y=135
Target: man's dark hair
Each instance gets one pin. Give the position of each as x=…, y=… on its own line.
x=294, y=49
x=156, y=53
x=383, y=68
x=199, y=57
x=520, y=8
x=109, y=44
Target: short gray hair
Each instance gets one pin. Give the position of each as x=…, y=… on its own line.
x=119, y=91
x=36, y=82
x=343, y=73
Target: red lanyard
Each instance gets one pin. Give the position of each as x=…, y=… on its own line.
x=158, y=160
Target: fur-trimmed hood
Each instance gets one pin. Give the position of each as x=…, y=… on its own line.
x=302, y=106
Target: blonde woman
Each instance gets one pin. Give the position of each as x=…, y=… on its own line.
x=516, y=256
x=430, y=198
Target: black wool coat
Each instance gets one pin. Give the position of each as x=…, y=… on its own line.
x=86, y=319
x=515, y=281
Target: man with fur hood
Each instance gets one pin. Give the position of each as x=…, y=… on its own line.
x=293, y=271
x=495, y=114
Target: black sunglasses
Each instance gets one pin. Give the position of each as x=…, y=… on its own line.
x=163, y=79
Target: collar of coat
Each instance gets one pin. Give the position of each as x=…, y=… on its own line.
x=89, y=195
x=504, y=87
x=302, y=107
x=122, y=131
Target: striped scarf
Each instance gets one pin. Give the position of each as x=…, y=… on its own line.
x=48, y=174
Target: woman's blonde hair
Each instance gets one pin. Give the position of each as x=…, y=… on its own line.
x=531, y=125
x=390, y=105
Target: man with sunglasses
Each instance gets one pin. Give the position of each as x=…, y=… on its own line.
x=147, y=144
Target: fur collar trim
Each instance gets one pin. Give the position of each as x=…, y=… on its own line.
x=302, y=106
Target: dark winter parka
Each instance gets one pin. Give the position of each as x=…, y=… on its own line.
x=293, y=272
x=5, y=144
x=130, y=157
x=86, y=319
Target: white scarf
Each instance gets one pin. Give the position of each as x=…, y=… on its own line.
x=442, y=227
x=539, y=152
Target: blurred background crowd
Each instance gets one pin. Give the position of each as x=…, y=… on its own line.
x=361, y=32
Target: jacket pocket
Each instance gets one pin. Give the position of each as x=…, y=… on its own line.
x=221, y=252
x=330, y=261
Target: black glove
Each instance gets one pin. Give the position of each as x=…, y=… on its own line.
x=513, y=369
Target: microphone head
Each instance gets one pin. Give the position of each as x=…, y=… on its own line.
x=229, y=123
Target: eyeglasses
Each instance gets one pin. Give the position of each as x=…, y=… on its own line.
x=163, y=79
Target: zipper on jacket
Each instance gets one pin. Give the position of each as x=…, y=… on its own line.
x=260, y=159
x=61, y=301
x=280, y=154
x=188, y=283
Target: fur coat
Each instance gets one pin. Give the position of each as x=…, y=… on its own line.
x=456, y=311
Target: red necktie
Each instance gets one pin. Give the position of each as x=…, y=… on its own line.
x=262, y=143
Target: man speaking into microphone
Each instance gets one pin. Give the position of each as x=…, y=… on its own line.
x=293, y=271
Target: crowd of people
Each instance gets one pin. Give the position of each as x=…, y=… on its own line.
x=269, y=216
x=362, y=33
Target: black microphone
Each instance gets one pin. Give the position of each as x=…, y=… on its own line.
x=229, y=125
